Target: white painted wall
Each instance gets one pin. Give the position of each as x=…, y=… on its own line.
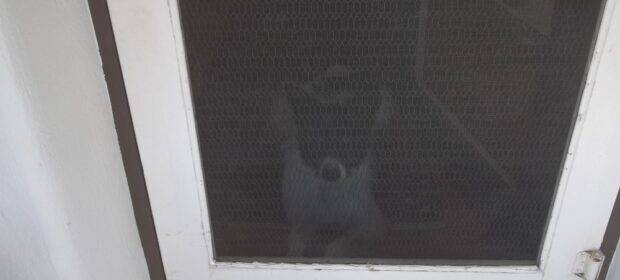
x=65, y=210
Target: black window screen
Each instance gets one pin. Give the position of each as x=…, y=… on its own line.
x=370, y=131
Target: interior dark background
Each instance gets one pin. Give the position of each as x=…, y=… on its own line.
x=513, y=87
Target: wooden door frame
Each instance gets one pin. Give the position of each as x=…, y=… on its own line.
x=127, y=137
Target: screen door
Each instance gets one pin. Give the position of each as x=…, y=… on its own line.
x=330, y=134
x=379, y=131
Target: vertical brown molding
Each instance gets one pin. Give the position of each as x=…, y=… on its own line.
x=610, y=241
x=126, y=137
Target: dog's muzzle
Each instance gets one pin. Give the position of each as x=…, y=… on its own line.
x=332, y=170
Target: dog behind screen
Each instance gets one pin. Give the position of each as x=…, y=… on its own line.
x=330, y=127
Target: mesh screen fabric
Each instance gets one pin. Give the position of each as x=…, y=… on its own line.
x=463, y=163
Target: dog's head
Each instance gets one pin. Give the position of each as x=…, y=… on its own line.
x=332, y=121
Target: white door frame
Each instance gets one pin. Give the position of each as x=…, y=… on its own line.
x=152, y=56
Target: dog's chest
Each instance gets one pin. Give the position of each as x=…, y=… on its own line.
x=308, y=198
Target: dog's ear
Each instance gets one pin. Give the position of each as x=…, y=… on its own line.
x=282, y=118
x=385, y=109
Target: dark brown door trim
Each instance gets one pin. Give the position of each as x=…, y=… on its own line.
x=610, y=241
x=126, y=137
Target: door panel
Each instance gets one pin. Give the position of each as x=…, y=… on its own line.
x=427, y=138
